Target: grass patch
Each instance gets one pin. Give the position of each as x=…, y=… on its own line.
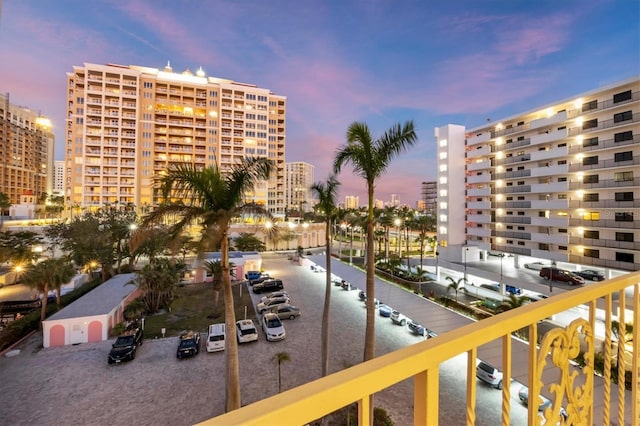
x=194, y=308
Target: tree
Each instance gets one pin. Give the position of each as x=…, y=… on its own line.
x=47, y=275
x=327, y=207
x=421, y=224
x=456, y=286
x=156, y=282
x=211, y=198
x=214, y=267
x=513, y=302
x=248, y=242
x=5, y=203
x=370, y=159
x=281, y=357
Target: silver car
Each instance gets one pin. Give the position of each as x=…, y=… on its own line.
x=489, y=374
x=272, y=327
x=267, y=304
x=286, y=311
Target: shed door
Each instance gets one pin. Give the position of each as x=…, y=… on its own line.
x=77, y=334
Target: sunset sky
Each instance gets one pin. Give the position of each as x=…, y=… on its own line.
x=381, y=62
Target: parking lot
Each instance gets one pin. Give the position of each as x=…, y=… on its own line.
x=75, y=385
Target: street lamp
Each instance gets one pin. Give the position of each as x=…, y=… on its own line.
x=16, y=272
x=397, y=222
x=437, y=270
x=466, y=249
x=267, y=226
x=501, y=283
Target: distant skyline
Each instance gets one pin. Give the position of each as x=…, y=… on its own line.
x=381, y=62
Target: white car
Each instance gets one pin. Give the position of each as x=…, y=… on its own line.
x=246, y=331
x=272, y=327
x=535, y=266
x=269, y=303
x=399, y=318
x=274, y=294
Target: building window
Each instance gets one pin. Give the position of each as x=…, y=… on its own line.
x=590, y=142
x=591, y=253
x=590, y=179
x=624, y=257
x=624, y=196
x=591, y=216
x=624, y=236
x=624, y=216
x=562, y=230
x=588, y=106
x=562, y=248
x=623, y=156
x=623, y=136
x=622, y=116
x=586, y=161
x=623, y=176
x=590, y=124
x=562, y=179
x=591, y=197
x=562, y=196
x=561, y=162
x=594, y=235
x=623, y=96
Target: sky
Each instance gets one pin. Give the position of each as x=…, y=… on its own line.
x=381, y=62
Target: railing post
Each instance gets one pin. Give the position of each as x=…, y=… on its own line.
x=364, y=417
x=426, y=388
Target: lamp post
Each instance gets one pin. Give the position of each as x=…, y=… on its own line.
x=17, y=270
x=466, y=249
x=267, y=227
x=397, y=222
x=437, y=270
x=501, y=282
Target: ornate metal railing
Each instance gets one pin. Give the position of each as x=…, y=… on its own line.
x=588, y=398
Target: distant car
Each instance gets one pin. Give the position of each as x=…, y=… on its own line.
x=590, y=274
x=272, y=327
x=385, y=310
x=362, y=295
x=246, y=331
x=269, y=303
x=523, y=395
x=535, y=297
x=252, y=275
x=421, y=330
x=399, y=318
x=535, y=266
x=259, y=279
x=489, y=374
x=274, y=294
x=125, y=346
x=189, y=344
x=513, y=289
x=285, y=311
x=346, y=285
x=268, y=285
x=492, y=287
x=555, y=274
x=216, y=337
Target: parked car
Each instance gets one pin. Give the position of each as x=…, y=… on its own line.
x=274, y=294
x=272, y=327
x=421, y=330
x=259, y=279
x=126, y=345
x=246, y=331
x=555, y=274
x=269, y=303
x=216, y=338
x=252, y=275
x=492, y=287
x=590, y=274
x=285, y=311
x=513, y=289
x=489, y=374
x=189, y=344
x=535, y=266
x=268, y=285
x=385, y=310
x=399, y=318
x=523, y=395
x=346, y=285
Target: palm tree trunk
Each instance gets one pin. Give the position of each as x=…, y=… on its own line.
x=370, y=331
x=233, y=368
x=43, y=310
x=327, y=304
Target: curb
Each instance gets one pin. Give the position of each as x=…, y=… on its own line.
x=2, y=353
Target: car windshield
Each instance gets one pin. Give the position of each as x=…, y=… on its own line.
x=216, y=338
x=187, y=343
x=123, y=341
x=246, y=331
x=273, y=322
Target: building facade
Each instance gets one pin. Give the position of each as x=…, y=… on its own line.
x=26, y=151
x=126, y=125
x=429, y=198
x=560, y=182
x=58, y=177
x=299, y=178
x=352, y=202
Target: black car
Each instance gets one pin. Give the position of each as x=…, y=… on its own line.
x=189, y=344
x=125, y=346
x=268, y=285
x=590, y=274
x=259, y=279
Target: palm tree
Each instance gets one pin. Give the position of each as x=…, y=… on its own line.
x=421, y=224
x=456, y=286
x=46, y=275
x=5, y=203
x=212, y=198
x=370, y=158
x=281, y=357
x=327, y=207
x=513, y=302
x=214, y=267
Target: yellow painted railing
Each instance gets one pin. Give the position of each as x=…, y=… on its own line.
x=421, y=361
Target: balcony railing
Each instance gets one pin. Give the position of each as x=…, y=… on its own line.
x=587, y=398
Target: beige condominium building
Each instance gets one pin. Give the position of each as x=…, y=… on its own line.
x=299, y=178
x=26, y=151
x=126, y=125
x=559, y=183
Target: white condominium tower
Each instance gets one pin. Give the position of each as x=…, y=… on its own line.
x=560, y=182
x=128, y=124
x=300, y=177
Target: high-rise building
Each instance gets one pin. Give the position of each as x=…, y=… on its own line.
x=299, y=178
x=26, y=151
x=352, y=202
x=58, y=177
x=126, y=125
x=429, y=197
x=560, y=182
x=395, y=200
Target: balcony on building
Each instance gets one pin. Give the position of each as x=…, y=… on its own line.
x=480, y=137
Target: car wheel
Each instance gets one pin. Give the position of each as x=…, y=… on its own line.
x=109, y=361
x=133, y=356
x=499, y=385
x=527, y=267
x=403, y=323
x=292, y=317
